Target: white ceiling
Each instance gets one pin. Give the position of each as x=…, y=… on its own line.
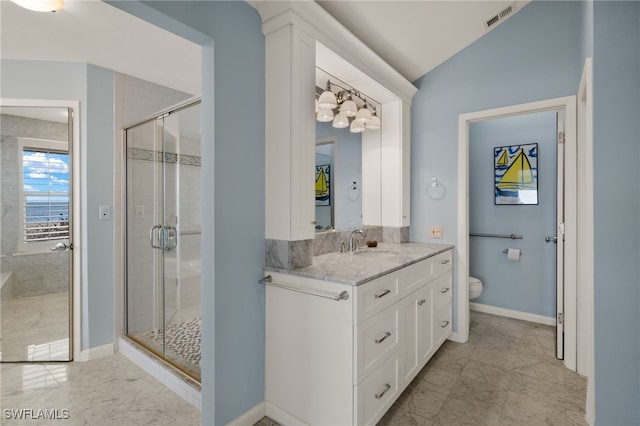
x=413, y=36
x=416, y=36
x=94, y=32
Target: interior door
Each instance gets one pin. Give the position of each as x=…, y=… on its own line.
x=559, y=238
x=36, y=229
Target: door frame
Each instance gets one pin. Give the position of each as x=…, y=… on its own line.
x=78, y=253
x=568, y=104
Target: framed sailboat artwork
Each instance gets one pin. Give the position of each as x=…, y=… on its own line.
x=516, y=174
x=323, y=187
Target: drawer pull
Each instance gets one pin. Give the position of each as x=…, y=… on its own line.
x=383, y=293
x=444, y=324
x=385, y=390
x=444, y=290
x=421, y=302
x=444, y=262
x=383, y=338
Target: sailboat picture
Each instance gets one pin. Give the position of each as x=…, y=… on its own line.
x=516, y=174
x=323, y=187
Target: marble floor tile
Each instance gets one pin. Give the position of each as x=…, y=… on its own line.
x=106, y=391
x=507, y=374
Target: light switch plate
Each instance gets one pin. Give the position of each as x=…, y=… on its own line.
x=436, y=231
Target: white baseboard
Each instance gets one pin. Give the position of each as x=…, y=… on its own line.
x=281, y=416
x=97, y=352
x=525, y=316
x=250, y=417
x=456, y=337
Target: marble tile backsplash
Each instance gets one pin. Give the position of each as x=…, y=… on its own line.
x=331, y=242
x=281, y=254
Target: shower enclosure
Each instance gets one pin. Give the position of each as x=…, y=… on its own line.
x=163, y=236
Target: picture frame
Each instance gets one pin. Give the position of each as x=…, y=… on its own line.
x=323, y=185
x=516, y=174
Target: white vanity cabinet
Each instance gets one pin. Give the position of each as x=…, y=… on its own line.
x=345, y=362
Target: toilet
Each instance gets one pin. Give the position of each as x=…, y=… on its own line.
x=475, y=288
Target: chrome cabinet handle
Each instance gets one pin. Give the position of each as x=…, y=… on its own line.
x=380, y=394
x=383, y=293
x=421, y=302
x=383, y=338
x=444, y=262
x=444, y=324
x=444, y=290
x=152, y=238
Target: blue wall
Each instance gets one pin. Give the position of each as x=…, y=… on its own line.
x=617, y=211
x=93, y=87
x=510, y=65
x=99, y=184
x=233, y=243
x=528, y=285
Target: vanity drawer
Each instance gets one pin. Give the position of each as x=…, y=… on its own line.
x=378, y=392
x=442, y=290
x=376, y=339
x=443, y=262
x=416, y=275
x=442, y=325
x=376, y=295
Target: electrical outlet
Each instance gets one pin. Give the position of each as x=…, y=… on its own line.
x=140, y=212
x=436, y=231
x=105, y=213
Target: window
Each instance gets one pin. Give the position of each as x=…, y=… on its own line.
x=45, y=192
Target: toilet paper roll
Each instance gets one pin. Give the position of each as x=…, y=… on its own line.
x=513, y=254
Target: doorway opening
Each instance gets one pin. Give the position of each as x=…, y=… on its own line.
x=39, y=293
x=568, y=267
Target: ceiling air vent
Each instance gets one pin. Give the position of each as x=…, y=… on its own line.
x=501, y=16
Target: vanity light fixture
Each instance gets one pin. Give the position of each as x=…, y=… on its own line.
x=341, y=120
x=374, y=124
x=349, y=113
x=357, y=126
x=41, y=5
x=324, y=115
x=327, y=99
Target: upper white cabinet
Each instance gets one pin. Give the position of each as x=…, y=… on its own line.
x=300, y=36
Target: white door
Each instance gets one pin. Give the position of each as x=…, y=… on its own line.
x=559, y=239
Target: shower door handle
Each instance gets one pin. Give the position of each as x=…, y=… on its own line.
x=152, y=236
x=169, y=237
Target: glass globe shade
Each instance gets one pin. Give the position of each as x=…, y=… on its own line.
x=324, y=115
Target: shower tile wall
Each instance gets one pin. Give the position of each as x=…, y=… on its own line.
x=38, y=273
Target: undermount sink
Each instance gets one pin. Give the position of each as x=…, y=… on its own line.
x=372, y=251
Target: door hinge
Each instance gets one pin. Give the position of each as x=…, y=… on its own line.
x=560, y=318
x=560, y=137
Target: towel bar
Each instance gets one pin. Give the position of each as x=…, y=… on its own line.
x=268, y=280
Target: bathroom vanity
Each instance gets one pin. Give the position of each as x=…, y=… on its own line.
x=347, y=334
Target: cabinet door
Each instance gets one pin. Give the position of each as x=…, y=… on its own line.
x=425, y=325
x=417, y=319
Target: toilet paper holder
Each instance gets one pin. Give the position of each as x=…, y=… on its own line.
x=506, y=251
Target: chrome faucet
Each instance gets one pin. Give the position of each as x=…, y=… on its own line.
x=354, y=245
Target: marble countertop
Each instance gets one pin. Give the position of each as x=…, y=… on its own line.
x=366, y=264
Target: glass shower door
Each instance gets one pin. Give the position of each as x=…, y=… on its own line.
x=163, y=240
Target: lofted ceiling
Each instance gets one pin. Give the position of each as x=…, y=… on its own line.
x=416, y=36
